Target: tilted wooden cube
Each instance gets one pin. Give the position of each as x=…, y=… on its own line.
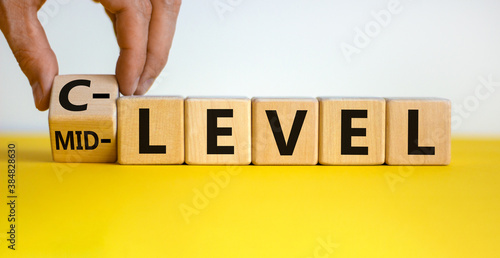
x=352, y=131
x=418, y=131
x=285, y=131
x=218, y=131
x=82, y=118
x=150, y=130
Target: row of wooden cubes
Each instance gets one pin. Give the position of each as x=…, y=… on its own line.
x=91, y=124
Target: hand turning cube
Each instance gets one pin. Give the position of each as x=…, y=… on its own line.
x=85, y=113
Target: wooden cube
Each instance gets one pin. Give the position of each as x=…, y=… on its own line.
x=351, y=131
x=218, y=131
x=285, y=131
x=82, y=118
x=418, y=131
x=150, y=130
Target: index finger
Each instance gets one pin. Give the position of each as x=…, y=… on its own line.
x=132, y=26
x=161, y=34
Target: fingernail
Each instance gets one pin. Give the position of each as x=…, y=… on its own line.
x=145, y=86
x=136, y=83
x=148, y=84
x=37, y=93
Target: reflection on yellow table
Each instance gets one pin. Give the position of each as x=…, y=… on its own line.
x=110, y=210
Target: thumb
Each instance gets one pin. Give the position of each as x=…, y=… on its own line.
x=30, y=46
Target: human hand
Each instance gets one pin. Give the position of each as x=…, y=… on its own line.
x=144, y=30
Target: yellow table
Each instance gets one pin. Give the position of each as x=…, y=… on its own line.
x=110, y=210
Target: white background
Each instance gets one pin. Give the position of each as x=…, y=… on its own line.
x=290, y=48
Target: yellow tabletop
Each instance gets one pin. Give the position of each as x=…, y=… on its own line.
x=110, y=210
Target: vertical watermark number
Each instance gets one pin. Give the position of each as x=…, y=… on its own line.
x=11, y=196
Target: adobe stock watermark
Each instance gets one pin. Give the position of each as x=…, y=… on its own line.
x=50, y=9
x=438, y=135
x=363, y=36
x=324, y=247
x=159, y=80
x=485, y=88
x=224, y=7
x=73, y=161
x=60, y=169
x=395, y=178
x=212, y=189
x=483, y=91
